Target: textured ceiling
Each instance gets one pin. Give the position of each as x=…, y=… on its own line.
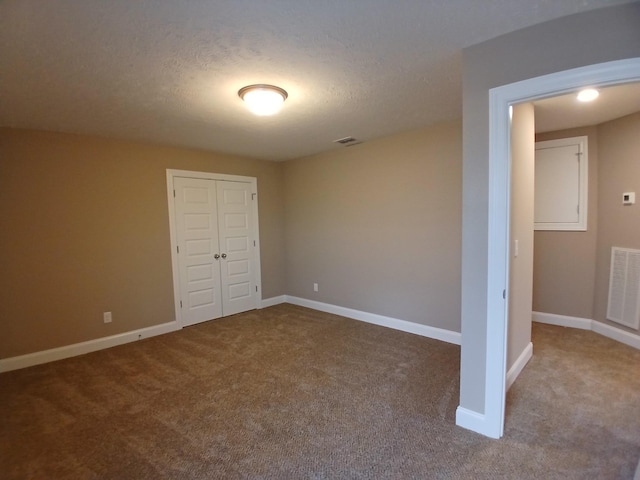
x=168, y=71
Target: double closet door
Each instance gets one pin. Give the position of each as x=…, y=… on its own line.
x=215, y=242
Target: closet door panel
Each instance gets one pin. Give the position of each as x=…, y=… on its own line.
x=198, y=245
x=236, y=243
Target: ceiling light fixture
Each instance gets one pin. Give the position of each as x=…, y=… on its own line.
x=588, y=95
x=263, y=100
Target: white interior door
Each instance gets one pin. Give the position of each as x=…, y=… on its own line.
x=236, y=244
x=216, y=248
x=197, y=237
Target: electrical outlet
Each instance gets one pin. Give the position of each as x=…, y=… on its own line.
x=315, y=287
x=629, y=198
x=106, y=317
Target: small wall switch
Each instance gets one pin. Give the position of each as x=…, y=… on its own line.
x=629, y=198
x=106, y=317
x=516, y=248
x=315, y=287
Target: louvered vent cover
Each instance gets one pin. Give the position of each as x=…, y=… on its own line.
x=624, y=287
x=347, y=141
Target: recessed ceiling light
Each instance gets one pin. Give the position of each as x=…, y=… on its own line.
x=263, y=100
x=588, y=95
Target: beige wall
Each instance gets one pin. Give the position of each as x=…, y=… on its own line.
x=377, y=226
x=521, y=265
x=85, y=230
x=564, y=271
x=571, y=274
x=618, y=225
x=574, y=41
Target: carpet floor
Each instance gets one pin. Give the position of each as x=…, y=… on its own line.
x=292, y=393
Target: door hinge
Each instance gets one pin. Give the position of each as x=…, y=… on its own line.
x=178, y=248
x=504, y=294
x=254, y=243
x=256, y=288
x=180, y=303
x=253, y=196
x=174, y=194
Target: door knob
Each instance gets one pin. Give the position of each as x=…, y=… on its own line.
x=224, y=255
x=216, y=256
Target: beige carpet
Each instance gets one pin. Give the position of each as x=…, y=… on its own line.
x=291, y=393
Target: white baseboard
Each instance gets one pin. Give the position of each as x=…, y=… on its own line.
x=609, y=331
x=614, y=333
x=474, y=421
x=270, y=302
x=45, y=356
x=562, y=320
x=37, y=358
x=519, y=365
x=410, y=327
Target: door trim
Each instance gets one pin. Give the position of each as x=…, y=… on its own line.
x=253, y=181
x=500, y=100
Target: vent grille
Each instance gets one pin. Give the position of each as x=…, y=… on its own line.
x=347, y=141
x=624, y=287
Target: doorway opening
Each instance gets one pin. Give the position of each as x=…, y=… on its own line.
x=499, y=251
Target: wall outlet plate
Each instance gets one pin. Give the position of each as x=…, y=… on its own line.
x=629, y=198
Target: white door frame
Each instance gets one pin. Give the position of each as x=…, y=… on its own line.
x=500, y=99
x=171, y=174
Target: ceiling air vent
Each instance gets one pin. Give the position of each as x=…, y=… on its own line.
x=347, y=141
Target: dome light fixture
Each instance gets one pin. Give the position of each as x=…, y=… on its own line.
x=588, y=95
x=263, y=100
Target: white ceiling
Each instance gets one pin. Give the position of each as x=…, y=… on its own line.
x=558, y=113
x=168, y=71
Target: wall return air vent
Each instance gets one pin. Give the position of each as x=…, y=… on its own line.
x=624, y=287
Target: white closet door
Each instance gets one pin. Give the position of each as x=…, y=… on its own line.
x=236, y=246
x=197, y=237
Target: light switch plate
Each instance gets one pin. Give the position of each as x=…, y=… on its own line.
x=629, y=198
